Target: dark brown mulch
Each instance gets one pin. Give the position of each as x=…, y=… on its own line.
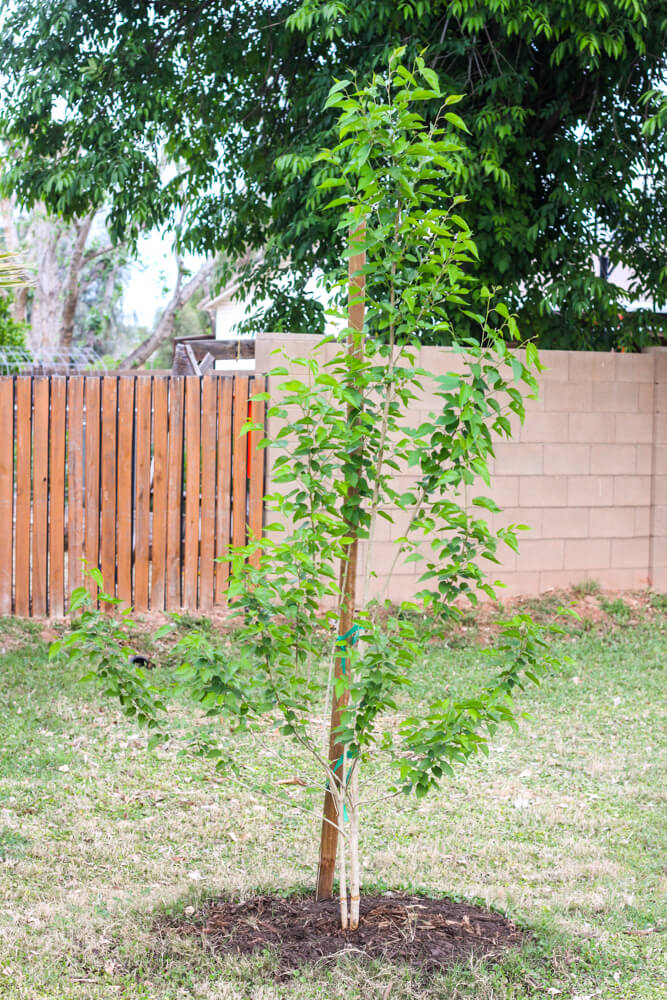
x=430, y=934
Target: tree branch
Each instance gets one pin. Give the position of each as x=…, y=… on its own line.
x=93, y=254
x=72, y=284
x=182, y=294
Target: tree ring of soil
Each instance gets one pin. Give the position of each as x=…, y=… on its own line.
x=430, y=934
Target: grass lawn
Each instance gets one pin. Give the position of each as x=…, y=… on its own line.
x=562, y=828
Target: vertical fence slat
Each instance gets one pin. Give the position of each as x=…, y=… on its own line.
x=142, y=492
x=23, y=463
x=40, y=492
x=75, y=481
x=108, y=479
x=174, y=495
x=92, y=477
x=124, y=498
x=6, y=492
x=223, y=486
x=240, y=462
x=257, y=455
x=160, y=483
x=86, y=481
x=192, y=487
x=56, y=593
x=207, y=545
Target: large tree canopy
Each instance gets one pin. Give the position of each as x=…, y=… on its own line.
x=179, y=111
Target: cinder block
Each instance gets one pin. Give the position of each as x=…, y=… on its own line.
x=401, y=520
x=383, y=555
x=634, y=367
x=568, y=396
x=612, y=522
x=590, y=491
x=441, y=360
x=617, y=397
x=530, y=516
x=635, y=427
x=507, y=562
x=660, y=396
x=647, y=396
x=561, y=579
x=642, y=521
x=629, y=553
x=519, y=584
x=534, y=404
x=660, y=522
x=556, y=365
x=542, y=491
x=295, y=345
x=565, y=522
x=632, y=490
x=616, y=579
x=505, y=490
x=587, y=553
x=591, y=427
x=544, y=427
x=644, y=463
x=518, y=459
x=613, y=459
x=597, y=366
x=661, y=427
x=567, y=459
x=659, y=552
x=399, y=588
x=541, y=554
x=659, y=356
x=658, y=579
x=660, y=490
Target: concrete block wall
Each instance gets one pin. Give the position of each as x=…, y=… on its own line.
x=586, y=473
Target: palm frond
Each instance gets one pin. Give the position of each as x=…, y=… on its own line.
x=13, y=271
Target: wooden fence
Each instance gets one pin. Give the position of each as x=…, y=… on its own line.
x=145, y=477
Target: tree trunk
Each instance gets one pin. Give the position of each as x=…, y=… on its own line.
x=165, y=325
x=46, y=311
x=72, y=284
x=330, y=820
x=329, y=833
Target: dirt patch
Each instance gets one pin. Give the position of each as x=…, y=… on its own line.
x=429, y=934
x=16, y=633
x=595, y=611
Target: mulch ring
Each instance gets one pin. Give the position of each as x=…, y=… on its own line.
x=430, y=934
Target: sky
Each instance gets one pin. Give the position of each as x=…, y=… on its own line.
x=152, y=279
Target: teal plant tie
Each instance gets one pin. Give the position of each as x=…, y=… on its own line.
x=351, y=636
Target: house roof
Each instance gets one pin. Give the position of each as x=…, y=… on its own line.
x=227, y=293
x=231, y=288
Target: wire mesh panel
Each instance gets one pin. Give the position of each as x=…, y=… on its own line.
x=147, y=478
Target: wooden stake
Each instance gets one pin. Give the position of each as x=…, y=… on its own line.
x=348, y=583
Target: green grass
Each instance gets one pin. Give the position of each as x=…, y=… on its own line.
x=562, y=828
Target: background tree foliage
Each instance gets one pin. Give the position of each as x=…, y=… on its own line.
x=559, y=167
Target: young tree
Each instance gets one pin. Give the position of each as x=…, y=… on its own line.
x=342, y=434
x=559, y=169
